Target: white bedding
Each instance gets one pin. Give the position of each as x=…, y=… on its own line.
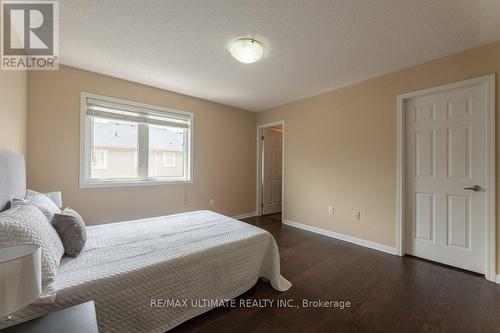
x=196, y=255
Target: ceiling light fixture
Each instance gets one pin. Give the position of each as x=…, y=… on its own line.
x=246, y=50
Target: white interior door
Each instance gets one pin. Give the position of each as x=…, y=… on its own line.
x=445, y=177
x=272, y=145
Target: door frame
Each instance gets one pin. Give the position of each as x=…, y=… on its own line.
x=258, y=187
x=489, y=84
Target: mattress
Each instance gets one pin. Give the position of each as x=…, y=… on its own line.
x=133, y=269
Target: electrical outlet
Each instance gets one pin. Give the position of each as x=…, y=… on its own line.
x=212, y=202
x=357, y=215
x=330, y=210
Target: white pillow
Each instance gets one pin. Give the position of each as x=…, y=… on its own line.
x=24, y=223
x=43, y=202
x=56, y=197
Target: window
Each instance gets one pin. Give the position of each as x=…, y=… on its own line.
x=168, y=159
x=129, y=143
x=100, y=159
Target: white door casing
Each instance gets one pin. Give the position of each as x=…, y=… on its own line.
x=448, y=147
x=272, y=145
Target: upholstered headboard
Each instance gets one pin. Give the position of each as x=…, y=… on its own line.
x=12, y=177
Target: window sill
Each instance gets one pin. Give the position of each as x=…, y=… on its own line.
x=127, y=183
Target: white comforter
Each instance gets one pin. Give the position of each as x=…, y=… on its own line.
x=191, y=256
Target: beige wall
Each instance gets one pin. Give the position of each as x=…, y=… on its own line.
x=13, y=110
x=224, y=150
x=340, y=147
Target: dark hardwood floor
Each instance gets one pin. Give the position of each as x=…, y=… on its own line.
x=387, y=293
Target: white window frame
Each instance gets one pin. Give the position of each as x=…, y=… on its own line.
x=165, y=163
x=143, y=158
x=104, y=165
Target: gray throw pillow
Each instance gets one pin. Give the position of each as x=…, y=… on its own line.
x=71, y=229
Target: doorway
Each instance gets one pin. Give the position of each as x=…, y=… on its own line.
x=446, y=189
x=270, y=166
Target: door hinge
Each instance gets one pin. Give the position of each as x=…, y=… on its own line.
x=262, y=137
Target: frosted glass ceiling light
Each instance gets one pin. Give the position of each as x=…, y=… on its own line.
x=246, y=50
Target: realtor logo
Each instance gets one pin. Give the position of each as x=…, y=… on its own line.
x=30, y=35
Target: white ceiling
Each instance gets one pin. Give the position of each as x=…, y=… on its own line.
x=312, y=45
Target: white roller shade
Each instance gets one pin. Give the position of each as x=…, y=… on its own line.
x=117, y=111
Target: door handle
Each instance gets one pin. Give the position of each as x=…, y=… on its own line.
x=475, y=188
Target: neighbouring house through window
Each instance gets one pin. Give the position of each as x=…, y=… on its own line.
x=129, y=143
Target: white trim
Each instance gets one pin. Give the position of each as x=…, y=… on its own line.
x=136, y=104
x=345, y=238
x=142, y=154
x=244, y=216
x=489, y=82
x=133, y=182
x=258, y=208
x=400, y=176
x=86, y=182
x=490, y=271
x=497, y=279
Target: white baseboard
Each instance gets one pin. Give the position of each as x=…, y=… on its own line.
x=346, y=238
x=498, y=279
x=244, y=216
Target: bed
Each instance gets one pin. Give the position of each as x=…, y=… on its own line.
x=151, y=275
